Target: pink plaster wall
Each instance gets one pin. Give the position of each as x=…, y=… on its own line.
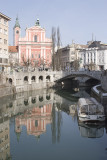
x=35, y=50
x=17, y=35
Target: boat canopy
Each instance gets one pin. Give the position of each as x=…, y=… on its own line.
x=90, y=106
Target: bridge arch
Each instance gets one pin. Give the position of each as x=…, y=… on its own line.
x=26, y=78
x=26, y=102
x=48, y=78
x=10, y=80
x=33, y=78
x=33, y=100
x=40, y=98
x=92, y=81
x=40, y=78
x=48, y=97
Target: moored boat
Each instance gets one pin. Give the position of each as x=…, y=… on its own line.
x=90, y=110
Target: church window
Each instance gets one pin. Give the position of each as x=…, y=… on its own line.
x=35, y=38
x=17, y=31
x=36, y=123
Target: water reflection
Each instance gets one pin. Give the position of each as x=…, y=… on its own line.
x=4, y=140
x=42, y=112
x=35, y=120
x=91, y=130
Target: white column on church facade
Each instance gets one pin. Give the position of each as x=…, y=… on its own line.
x=41, y=36
x=44, y=53
x=30, y=52
x=19, y=55
x=41, y=52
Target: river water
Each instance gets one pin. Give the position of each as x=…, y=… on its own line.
x=44, y=125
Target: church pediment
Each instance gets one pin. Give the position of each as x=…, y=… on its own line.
x=36, y=28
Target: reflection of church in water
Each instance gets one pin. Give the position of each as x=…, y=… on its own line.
x=34, y=119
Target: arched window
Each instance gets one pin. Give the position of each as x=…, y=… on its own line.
x=48, y=97
x=33, y=100
x=40, y=78
x=40, y=98
x=48, y=78
x=26, y=78
x=35, y=38
x=10, y=80
x=33, y=78
x=26, y=102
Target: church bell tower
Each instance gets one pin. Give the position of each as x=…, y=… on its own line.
x=16, y=33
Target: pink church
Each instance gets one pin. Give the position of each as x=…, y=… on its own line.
x=34, y=48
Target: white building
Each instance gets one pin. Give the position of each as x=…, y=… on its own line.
x=65, y=56
x=95, y=56
x=4, y=42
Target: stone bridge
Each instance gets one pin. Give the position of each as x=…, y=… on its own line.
x=89, y=74
x=83, y=77
x=25, y=81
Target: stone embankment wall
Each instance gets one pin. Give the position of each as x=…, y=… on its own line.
x=104, y=80
x=26, y=81
x=7, y=90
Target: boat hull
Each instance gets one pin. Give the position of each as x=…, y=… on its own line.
x=92, y=118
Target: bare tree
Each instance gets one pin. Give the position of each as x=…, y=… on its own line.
x=58, y=38
x=75, y=64
x=92, y=66
x=26, y=62
x=53, y=46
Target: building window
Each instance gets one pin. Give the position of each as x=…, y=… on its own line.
x=36, y=123
x=6, y=136
x=5, y=51
x=5, y=60
x=5, y=41
x=32, y=55
x=39, y=55
x=0, y=60
x=0, y=30
x=0, y=40
x=5, y=22
x=0, y=50
x=35, y=38
x=5, y=31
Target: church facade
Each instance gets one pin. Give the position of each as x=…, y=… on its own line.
x=34, y=49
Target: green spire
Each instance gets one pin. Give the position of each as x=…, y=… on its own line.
x=17, y=23
x=37, y=23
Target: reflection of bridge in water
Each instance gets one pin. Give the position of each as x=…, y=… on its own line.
x=34, y=110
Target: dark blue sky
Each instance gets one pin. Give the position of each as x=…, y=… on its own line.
x=77, y=19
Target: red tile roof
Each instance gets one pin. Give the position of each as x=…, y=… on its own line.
x=12, y=49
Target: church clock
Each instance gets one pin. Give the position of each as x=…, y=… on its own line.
x=17, y=31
